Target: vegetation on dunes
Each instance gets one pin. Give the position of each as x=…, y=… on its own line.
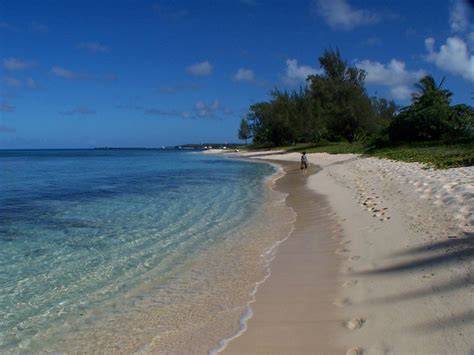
x=334, y=114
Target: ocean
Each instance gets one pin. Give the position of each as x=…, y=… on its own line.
x=129, y=250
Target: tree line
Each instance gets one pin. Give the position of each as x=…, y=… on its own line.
x=335, y=106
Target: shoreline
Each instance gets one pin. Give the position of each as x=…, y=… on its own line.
x=289, y=275
x=406, y=271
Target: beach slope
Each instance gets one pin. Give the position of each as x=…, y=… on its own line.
x=396, y=240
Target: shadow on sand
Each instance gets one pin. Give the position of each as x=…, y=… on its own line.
x=453, y=251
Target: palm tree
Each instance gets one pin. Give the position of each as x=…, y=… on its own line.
x=429, y=92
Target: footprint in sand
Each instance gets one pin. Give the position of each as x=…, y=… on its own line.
x=350, y=283
x=355, y=351
x=341, y=251
x=355, y=323
x=354, y=258
x=342, y=302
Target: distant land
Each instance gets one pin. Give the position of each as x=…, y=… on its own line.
x=184, y=146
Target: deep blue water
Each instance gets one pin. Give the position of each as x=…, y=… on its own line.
x=80, y=227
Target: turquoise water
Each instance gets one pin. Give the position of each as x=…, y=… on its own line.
x=81, y=228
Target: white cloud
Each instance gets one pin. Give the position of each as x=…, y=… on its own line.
x=244, y=75
x=16, y=64
x=296, y=74
x=204, y=110
x=340, y=15
x=200, y=69
x=393, y=75
x=95, y=47
x=459, y=16
x=453, y=57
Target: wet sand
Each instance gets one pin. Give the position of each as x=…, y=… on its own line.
x=294, y=312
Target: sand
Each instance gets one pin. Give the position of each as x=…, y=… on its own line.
x=298, y=308
x=399, y=277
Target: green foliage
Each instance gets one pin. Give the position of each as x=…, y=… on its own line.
x=245, y=132
x=461, y=121
x=334, y=107
x=340, y=93
x=430, y=116
x=285, y=119
x=436, y=154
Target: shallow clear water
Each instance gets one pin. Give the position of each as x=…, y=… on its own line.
x=80, y=229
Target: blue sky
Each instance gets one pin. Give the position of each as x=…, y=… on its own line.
x=150, y=73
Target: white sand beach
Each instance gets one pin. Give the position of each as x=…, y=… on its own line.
x=405, y=270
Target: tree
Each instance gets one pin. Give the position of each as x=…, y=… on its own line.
x=384, y=113
x=341, y=96
x=245, y=131
x=428, y=116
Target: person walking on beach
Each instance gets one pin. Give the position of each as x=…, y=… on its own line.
x=304, y=163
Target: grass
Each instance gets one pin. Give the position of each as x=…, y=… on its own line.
x=439, y=155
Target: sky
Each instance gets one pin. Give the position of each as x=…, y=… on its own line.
x=138, y=73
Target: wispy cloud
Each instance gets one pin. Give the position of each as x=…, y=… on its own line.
x=95, y=47
x=64, y=73
x=160, y=112
x=30, y=83
x=7, y=94
x=297, y=74
x=201, y=109
x=247, y=75
x=72, y=75
x=244, y=75
x=6, y=26
x=129, y=107
x=200, y=69
x=17, y=64
x=453, y=57
x=178, y=88
x=392, y=75
x=80, y=110
x=4, y=107
x=373, y=41
x=12, y=82
x=17, y=83
x=6, y=129
x=340, y=15
x=459, y=14
x=39, y=27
